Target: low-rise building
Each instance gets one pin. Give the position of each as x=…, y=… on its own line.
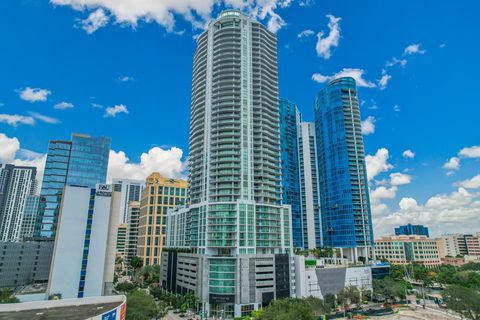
x=26, y=262
x=320, y=276
x=235, y=285
x=92, y=308
x=408, y=249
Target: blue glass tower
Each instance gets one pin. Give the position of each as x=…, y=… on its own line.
x=289, y=134
x=411, y=229
x=345, y=204
x=82, y=161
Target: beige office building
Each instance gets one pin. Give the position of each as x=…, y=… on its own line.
x=159, y=195
x=408, y=249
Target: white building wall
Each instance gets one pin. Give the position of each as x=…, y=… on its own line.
x=70, y=238
x=124, y=198
x=68, y=249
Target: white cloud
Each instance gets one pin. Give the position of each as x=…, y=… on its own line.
x=408, y=154
x=9, y=147
x=356, y=74
x=126, y=79
x=396, y=108
x=470, y=152
x=44, y=118
x=111, y=112
x=442, y=45
x=377, y=163
x=305, y=34
x=16, y=119
x=473, y=183
x=325, y=44
x=96, y=20
x=164, y=12
x=382, y=83
x=395, y=61
x=452, y=164
x=63, y=105
x=398, y=179
x=368, y=125
x=167, y=162
x=383, y=193
x=34, y=94
x=96, y=105
x=413, y=49
x=10, y=152
x=459, y=211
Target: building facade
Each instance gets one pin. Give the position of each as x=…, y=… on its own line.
x=84, y=251
x=20, y=183
x=236, y=220
x=24, y=263
x=29, y=216
x=309, y=186
x=456, y=245
x=130, y=190
x=82, y=161
x=160, y=195
x=132, y=231
x=121, y=239
x=409, y=229
x=318, y=277
x=407, y=249
x=345, y=201
x=290, y=119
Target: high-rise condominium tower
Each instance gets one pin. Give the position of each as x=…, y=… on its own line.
x=236, y=224
x=82, y=161
x=300, y=176
x=18, y=183
x=345, y=204
x=235, y=169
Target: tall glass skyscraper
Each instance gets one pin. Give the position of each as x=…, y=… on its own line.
x=82, y=161
x=237, y=229
x=300, y=176
x=289, y=136
x=345, y=204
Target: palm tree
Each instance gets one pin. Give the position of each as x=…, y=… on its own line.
x=136, y=263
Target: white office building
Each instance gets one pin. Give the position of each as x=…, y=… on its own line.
x=84, y=252
x=129, y=190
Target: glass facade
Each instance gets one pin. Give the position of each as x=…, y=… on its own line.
x=289, y=137
x=88, y=161
x=29, y=216
x=82, y=161
x=345, y=206
x=410, y=229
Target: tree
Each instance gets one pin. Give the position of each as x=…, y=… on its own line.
x=125, y=287
x=142, y=306
x=389, y=289
x=136, y=263
x=150, y=274
x=317, y=305
x=349, y=295
x=6, y=296
x=287, y=309
x=330, y=301
x=397, y=271
x=465, y=301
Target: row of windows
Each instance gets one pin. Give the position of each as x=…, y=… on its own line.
x=168, y=190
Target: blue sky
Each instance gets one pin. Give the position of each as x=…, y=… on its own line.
x=124, y=70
